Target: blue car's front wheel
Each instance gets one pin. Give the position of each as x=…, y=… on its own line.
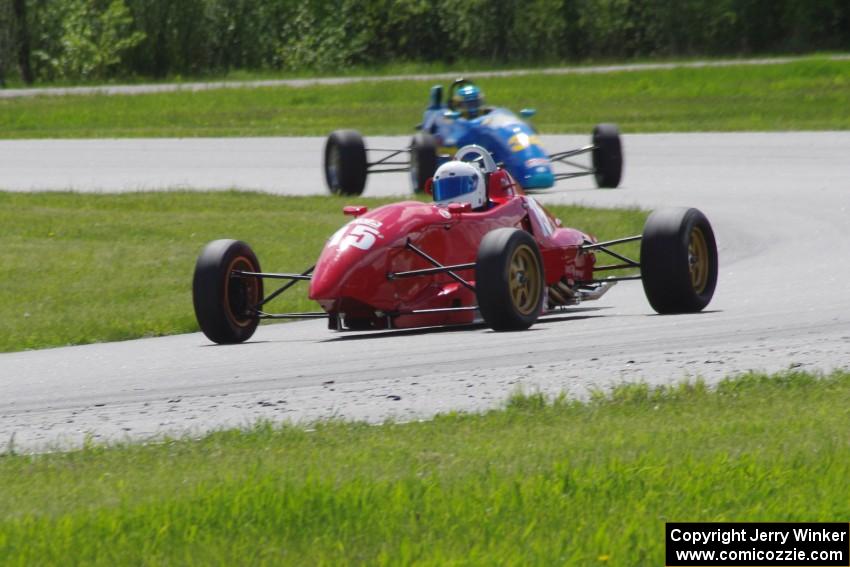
x=346, y=166
x=423, y=160
x=607, y=155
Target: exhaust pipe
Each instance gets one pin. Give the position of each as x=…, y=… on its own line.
x=598, y=292
x=562, y=294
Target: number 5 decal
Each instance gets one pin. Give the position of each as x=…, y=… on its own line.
x=360, y=236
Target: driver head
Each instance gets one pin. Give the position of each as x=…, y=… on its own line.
x=468, y=100
x=460, y=182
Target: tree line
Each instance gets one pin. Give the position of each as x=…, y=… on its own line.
x=80, y=40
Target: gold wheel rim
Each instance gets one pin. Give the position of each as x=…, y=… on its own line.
x=524, y=280
x=250, y=289
x=698, y=260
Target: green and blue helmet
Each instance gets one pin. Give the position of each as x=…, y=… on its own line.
x=468, y=99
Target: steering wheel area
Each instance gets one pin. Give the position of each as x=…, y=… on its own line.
x=477, y=154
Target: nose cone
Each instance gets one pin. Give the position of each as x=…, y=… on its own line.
x=350, y=277
x=349, y=264
x=325, y=285
x=335, y=271
x=532, y=168
x=355, y=261
x=539, y=177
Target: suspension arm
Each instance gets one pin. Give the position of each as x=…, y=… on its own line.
x=449, y=270
x=607, y=243
x=430, y=271
x=271, y=276
x=309, y=315
x=577, y=152
x=385, y=161
x=560, y=176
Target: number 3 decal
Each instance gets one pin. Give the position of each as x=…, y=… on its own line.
x=360, y=236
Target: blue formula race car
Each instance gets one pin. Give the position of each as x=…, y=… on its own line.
x=463, y=120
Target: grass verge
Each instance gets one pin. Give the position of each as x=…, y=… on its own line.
x=377, y=70
x=97, y=267
x=540, y=483
x=811, y=94
x=460, y=66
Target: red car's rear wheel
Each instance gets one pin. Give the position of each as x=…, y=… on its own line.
x=678, y=259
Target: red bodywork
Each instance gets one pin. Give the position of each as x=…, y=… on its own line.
x=351, y=275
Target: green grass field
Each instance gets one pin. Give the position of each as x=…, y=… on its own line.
x=537, y=484
x=86, y=267
x=812, y=94
x=459, y=67
x=379, y=70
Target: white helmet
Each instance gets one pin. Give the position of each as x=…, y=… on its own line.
x=460, y=182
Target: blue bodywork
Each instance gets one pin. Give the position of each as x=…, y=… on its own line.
x=511, y=140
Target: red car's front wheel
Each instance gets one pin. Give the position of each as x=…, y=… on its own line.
x=225, y=301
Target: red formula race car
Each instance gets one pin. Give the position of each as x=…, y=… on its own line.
x=482, y=250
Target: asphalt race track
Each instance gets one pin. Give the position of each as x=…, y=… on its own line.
x=779, y=203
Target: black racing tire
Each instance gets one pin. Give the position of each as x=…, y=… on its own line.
x=345, y=163
x=678, y=260
x=423, y=160
x=607, y=156
x=223, y=303
x=509, y=279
